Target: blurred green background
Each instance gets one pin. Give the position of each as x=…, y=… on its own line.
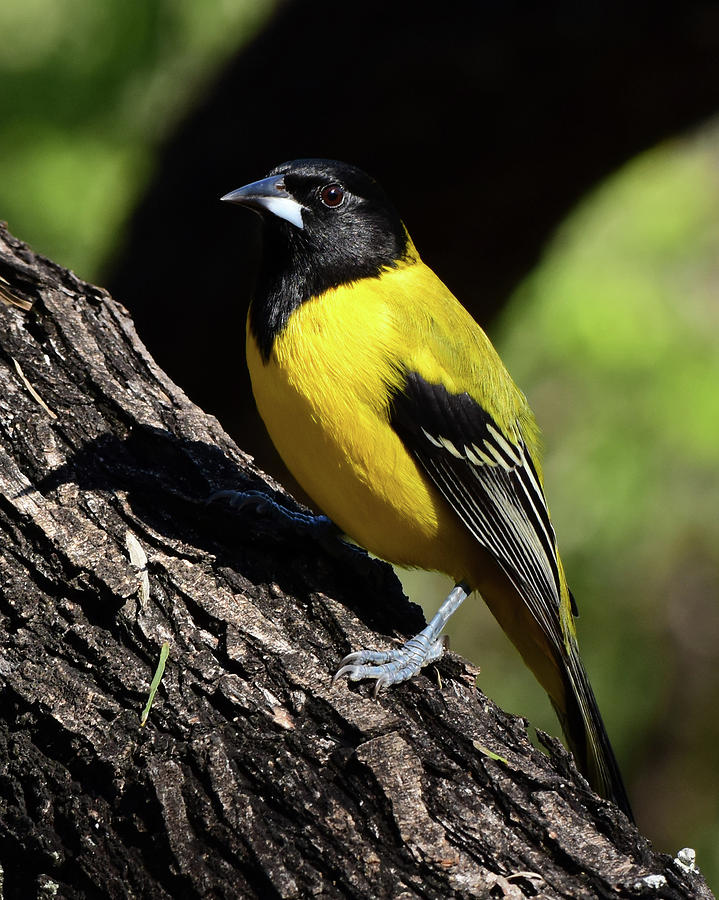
x=614, y=338
x=89, y=92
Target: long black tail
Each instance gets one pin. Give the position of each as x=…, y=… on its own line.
x=587, y=737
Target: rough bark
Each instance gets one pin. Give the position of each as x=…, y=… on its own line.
x=254, y=776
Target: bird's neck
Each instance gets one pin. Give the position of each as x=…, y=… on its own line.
x=279, y=290
x=291, y=272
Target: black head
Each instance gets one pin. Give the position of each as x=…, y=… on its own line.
x=326, y=224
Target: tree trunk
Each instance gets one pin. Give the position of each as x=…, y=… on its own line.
x=253, y=776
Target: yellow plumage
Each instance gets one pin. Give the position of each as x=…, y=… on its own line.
x=324, y=398
x=392, y=409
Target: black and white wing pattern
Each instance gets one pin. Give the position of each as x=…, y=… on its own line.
x=491, y=483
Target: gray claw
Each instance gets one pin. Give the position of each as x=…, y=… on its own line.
x=381, y=682
x=349, y=671
x=356, y=657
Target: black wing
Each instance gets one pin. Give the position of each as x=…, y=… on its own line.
x=491, y=483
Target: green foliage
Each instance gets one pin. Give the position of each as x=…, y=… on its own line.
x=88, y=92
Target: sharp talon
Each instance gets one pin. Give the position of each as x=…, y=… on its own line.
x=343, y=670
x=389, y=667
x=381, y=682
x=352, y=658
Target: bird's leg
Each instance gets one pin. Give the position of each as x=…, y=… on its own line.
x=262, y=503
x=392, y=666
x=318, y=527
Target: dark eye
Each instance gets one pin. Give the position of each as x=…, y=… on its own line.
x=332, y=195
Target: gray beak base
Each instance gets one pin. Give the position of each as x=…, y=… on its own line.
x=268, y=195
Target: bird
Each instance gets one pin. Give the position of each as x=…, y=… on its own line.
x=394, y=412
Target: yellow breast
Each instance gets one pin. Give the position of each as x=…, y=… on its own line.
x=324, y=397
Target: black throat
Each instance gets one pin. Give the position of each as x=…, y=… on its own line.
x=296, y=267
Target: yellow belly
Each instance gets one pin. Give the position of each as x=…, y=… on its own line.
x=324, y=403
x=323, y=397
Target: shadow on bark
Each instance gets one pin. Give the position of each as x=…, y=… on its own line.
x=253, y=776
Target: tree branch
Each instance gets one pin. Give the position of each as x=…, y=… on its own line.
x=254, y=776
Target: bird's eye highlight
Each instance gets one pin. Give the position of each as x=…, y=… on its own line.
x=332, y=195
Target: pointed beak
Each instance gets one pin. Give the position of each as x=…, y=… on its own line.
x=268, y=195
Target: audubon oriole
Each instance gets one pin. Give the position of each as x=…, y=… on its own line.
x=394, y=412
